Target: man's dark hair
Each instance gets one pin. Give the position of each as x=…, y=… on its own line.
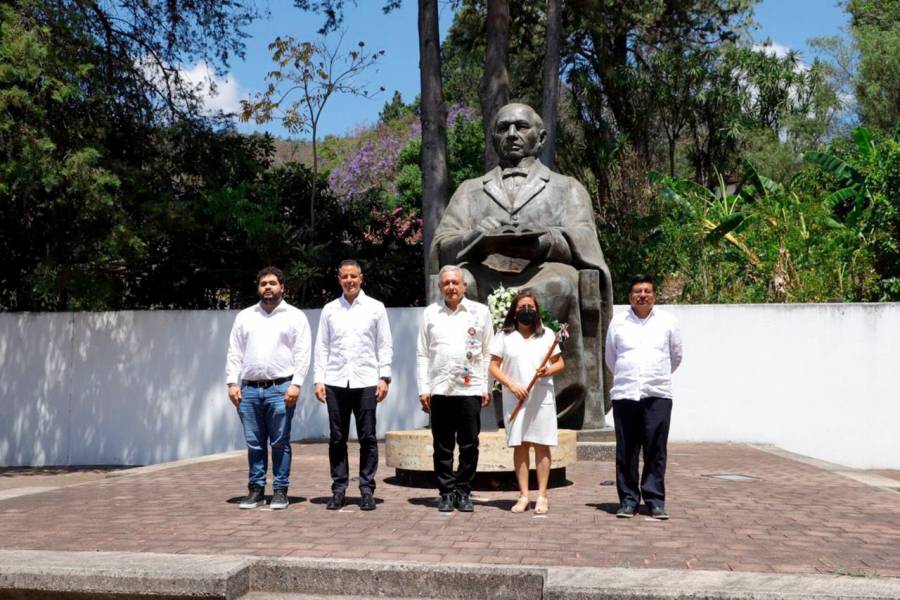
x=349, y=262
x=641, y=278
x=270, y=271
x=509, y=322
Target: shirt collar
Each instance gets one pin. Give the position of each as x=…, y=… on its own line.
x=360, y=299
x=281, y=307
x=463, y=305
x=634, y=316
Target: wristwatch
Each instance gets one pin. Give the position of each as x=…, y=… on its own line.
x=385, y=379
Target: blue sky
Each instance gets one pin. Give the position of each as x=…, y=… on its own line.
x=787, y=23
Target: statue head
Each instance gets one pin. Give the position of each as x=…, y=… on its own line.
x=517, y=133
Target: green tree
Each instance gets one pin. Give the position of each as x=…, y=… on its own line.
x=876, y=30
x=316, y=71
x=395, y=110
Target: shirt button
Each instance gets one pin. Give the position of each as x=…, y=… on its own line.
x=515, y=217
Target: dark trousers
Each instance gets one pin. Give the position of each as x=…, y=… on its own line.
x=361, y=402
x=642, y=425
x=455, y=419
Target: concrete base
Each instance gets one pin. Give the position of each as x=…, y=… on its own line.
x=601, y=434
x=410, y=453
x=484, y=482
x=597, y=451
x=413, y=450
x=126, y=576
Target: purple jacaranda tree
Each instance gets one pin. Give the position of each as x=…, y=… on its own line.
x=372, y=166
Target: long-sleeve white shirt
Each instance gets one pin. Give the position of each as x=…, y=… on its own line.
x=269, y=345
x=353, y=343
x=642, y=354
x=453, y=349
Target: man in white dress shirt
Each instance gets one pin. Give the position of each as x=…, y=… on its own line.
x=268, y=356
x=452, y=358
x=352, y=374
x=643, y=349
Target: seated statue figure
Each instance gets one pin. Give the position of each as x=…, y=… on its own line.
x=522, y=225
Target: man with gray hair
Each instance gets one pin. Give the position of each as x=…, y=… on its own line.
x=452, y=361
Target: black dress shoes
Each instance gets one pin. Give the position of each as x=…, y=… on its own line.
x=446, y=503
x=367, y=502
x=336, y=501
x=658, y=512
x=464, y=502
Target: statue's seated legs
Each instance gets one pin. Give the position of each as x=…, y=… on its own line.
x=559, y=290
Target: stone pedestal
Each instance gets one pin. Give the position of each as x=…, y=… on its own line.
x=410, y=453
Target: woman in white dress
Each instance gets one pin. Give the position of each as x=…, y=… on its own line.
x=516, y=355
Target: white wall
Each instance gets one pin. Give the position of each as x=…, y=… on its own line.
x=147, y=387
x=816, y=379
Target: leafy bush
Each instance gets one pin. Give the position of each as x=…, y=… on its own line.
x=829, y=234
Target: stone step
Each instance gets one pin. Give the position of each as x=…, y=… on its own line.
x=121, y=575
x=40, y=575
x=597, y=451
x=603, y=434
x=572, y=583
x=376, y=579
x=290, y=596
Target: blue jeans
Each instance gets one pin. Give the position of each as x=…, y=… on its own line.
x=267, y=421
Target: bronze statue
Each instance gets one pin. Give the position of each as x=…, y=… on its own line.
x=522, y=225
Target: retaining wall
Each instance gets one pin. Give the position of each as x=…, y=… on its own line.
x=142, y=387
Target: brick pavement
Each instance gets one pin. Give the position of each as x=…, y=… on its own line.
x=793, y=518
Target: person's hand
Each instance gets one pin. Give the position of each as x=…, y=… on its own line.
x=292, y=395
x=485, y=399
x=425, y=401
x=517, y=390
x=381, y=391
x=234, y=394
x=320, y=392
x=544, y=371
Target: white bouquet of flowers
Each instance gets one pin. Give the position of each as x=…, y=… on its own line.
x=500, y=300
x=498, y=303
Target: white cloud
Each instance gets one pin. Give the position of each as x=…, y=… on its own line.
x=772, y=49
x=216, y=93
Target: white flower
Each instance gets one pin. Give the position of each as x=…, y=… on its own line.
x=498, y=303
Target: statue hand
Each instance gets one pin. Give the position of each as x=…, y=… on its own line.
x=489, y=225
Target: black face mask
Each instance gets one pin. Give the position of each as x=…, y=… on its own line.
x=527, y=317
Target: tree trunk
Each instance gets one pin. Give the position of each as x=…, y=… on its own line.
x=434, y=130
x=315, y=181
x=550, y=108
x=494, y=89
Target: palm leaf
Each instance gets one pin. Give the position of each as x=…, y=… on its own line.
x=837, y=198
x=728, y=224
x=863, y=140
x=835, y=166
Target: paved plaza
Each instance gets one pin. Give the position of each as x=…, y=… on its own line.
x=787, y=516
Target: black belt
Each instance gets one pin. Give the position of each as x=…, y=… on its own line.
x=264, y=383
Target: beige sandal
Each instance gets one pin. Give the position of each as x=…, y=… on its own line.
x=521, y=505
x=541, y=505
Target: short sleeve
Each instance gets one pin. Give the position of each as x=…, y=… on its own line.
x=497, y=345
x=549, y=337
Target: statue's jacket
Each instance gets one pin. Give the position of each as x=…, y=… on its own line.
x=546, y=199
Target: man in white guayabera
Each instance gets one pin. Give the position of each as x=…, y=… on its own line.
x=643, y=349
x=452, y=358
